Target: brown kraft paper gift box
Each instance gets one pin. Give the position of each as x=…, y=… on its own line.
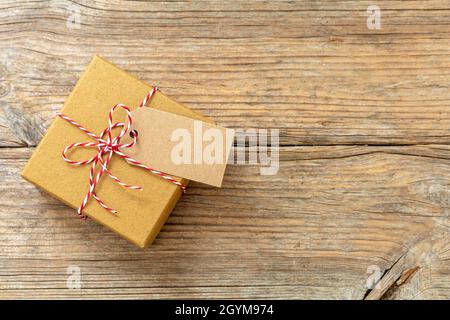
x=141, y=214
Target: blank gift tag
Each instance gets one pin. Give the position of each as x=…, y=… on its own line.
x=181, y=146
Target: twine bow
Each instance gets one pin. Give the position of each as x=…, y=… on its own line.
x=107, y=146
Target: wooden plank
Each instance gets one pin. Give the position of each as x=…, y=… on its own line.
x=332, y=219
x=314, y=230
x=310, y=68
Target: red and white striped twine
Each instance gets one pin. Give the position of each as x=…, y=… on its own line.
x=108, y=147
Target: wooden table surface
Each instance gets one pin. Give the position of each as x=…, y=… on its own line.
x=363, y=189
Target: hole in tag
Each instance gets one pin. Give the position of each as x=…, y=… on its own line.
x=134, y=133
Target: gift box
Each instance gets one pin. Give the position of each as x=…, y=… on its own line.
x=141, y=214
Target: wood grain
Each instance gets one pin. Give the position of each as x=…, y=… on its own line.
x=311, y=231
x=310, y=68
x=364, y=171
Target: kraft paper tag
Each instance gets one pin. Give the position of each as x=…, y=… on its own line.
x=181, y=146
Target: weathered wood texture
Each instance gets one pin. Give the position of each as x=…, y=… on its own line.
x=310, y=232
x=363, y=187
